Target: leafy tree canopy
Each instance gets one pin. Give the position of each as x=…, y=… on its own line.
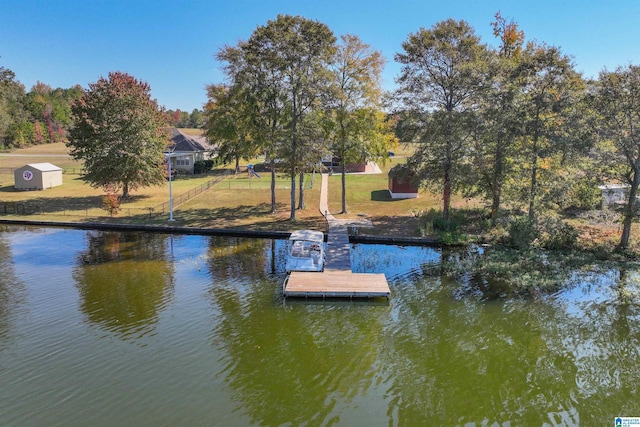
x=120, y=134
x=617, y=101
x=285, y=67
x=443, y=75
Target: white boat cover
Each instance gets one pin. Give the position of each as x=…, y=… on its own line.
x=308, y=235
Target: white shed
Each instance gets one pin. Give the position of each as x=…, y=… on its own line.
x=614, y=194
x=37, y=176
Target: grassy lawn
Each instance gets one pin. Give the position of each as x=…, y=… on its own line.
x=47, y=153
x=368, y=197
x=238, y=201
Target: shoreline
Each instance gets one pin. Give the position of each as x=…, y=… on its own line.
x=233, y=232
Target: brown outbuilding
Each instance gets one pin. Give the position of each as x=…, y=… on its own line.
x=37, y=176
x=402, y=183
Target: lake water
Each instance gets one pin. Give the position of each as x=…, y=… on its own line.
x=133, y=329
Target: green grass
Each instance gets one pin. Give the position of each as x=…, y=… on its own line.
x=238, y=201
x=368, y=196
x=242, y=202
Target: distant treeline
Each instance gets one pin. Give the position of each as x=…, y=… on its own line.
x=182, y=119
x=43, y=115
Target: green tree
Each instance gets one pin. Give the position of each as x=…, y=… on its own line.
x=358, y=131
x=617, y=100
x=552, y=90
x=120, y=134
x=20, y=134
x=261, y=93
x=50, y=109
x=12, y=95
x=501, y=114
x=228, y=124
x=290, y=56
x=443, y=71
x=196, y=119
x=185, y=119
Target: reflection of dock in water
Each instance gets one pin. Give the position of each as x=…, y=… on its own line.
x=337, y=280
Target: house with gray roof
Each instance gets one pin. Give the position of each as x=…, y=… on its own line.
x=186, y=150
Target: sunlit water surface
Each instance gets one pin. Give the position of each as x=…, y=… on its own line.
x=132, y=329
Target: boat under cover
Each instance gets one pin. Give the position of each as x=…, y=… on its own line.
x=306, y=251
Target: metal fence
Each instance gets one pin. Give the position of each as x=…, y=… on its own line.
x=182, y=198
x=255, y=184
x=65, y=171
x=264, y=182
x=51, y=208
x=33, y=208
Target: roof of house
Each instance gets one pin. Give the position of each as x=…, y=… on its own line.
x=188, y=143
x=44, y=167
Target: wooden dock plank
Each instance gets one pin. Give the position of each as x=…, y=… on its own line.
x=338, y=249
x=336, y=283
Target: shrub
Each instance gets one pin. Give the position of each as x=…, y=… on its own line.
x=521, y=233
x=202, y=166
x=432, y=223
x=548, y=232
x=584, y=194
x=451, y=238
x=111, y=203
x=557, y=234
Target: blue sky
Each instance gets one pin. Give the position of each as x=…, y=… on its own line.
x=172, y=44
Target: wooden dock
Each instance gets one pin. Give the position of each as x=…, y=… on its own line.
x=336, y=284
x=337, y=280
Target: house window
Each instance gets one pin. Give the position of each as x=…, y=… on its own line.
x=182, y=161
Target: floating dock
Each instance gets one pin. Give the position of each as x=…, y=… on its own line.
x=336, y=284
x=337, y=280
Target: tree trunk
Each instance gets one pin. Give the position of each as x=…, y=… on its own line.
x=237, y=169
x=294, y=155
x=498, y=171
x=125, y=190
x=274, y=207
x=446, y=187
x=344, y=188
x=301, y=204
x=534, y=180
x=630, y=209
x=446, y=196
x=292, y=215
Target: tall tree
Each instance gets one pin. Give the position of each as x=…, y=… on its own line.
x=293, y=53
x=617, y=100
x=228, y=124
x=358, y=130
x=443, y=71
x=120, y=134
x=551, y=90
x=261, y=93
x=500, y=112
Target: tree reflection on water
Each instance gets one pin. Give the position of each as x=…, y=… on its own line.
x=12, y=291
x=443, y=351
x=124, y=280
